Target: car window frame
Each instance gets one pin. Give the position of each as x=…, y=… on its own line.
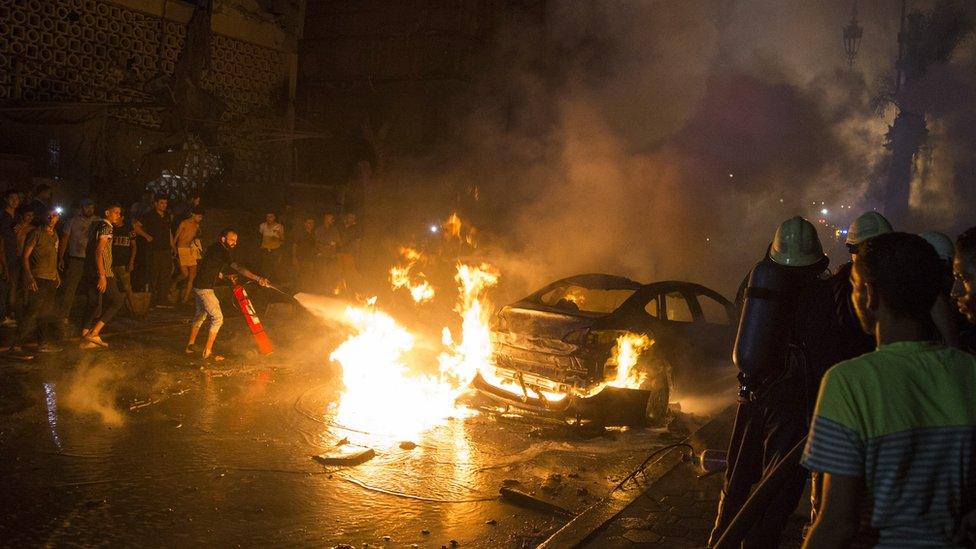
x=729, y=314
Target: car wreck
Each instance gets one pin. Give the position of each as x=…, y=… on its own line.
x=557, y=347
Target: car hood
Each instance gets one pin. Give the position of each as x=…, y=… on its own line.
x=536, y=329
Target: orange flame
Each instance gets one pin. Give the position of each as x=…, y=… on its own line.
x=455, y=228
x=420, y=289
x=381, y=394
x=625, y=355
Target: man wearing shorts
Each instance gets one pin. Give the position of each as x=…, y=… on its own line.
x=124, y=249
x=217, y=259
x=188, y=251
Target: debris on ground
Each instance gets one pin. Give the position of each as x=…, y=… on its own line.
x=553, y=483
x=518, y=497
x=491, y=522
x=407, y=445
x=346, y=456
x=510, y=482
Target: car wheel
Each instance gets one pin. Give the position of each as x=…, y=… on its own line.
x=659, y=384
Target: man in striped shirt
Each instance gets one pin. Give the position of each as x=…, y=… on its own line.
x=895, y=429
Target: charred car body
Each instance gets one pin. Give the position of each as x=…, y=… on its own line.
x=555, y=346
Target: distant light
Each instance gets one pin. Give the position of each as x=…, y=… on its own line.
x=731, y=176
x=434, y=229
x=843, y=231
x=824, y=211
x=59, y=210
x=780, y=200
x=708, y=239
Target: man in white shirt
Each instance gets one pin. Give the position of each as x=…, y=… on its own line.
x=272, y=237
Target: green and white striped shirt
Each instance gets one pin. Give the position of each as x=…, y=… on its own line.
x=904, y=418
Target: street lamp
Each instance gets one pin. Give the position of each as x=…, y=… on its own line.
x=852, y=37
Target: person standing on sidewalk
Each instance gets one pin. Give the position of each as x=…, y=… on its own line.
x=74, y=237
x=9, y=257
x=40, y=267
x=104, y=299
x=154, y=228
x=218, y=258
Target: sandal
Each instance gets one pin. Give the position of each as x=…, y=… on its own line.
x=190, y=349
x=213, y=357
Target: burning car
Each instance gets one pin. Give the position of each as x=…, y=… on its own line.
x=608, y=348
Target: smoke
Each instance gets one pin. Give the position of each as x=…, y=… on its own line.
x=92, y=389
x=667, y=140
x=328, y=309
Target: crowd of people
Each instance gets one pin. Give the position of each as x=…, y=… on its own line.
x=111, y=259
x=861, y=381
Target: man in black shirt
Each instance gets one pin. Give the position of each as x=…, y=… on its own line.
x=216, y=260
x=154, y=228
x=303, y=252
x=104, y=298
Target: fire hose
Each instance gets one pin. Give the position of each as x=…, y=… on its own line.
x=758, y=502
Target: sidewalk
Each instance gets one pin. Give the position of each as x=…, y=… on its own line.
x=669, y=506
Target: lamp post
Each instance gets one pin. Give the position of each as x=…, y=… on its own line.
x=852, y=37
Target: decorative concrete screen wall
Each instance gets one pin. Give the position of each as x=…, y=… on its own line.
x=96, y=51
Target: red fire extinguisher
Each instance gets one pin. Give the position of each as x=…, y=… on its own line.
x=253, y=322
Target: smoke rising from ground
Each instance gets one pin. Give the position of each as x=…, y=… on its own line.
x=667, y=140
x=92, y=388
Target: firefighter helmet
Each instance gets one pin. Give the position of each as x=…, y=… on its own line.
x=796, y=244
x=943, y=245
x=867, y=225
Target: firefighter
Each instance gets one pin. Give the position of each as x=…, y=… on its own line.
x=785, y=316
x=217, y=259
x=853, y=340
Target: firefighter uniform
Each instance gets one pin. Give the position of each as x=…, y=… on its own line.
x=781, y=350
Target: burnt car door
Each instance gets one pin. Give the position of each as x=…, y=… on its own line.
x=714, y=323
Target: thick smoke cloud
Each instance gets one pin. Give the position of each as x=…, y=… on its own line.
x=667, y=139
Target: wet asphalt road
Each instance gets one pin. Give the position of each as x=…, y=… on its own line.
x=140, y=445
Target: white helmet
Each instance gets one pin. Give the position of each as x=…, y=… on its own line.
x=867, y=226
x=943, y=245
x=796, y=244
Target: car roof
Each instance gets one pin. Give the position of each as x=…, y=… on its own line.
x=600, y=281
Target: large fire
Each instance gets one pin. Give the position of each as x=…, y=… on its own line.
x=383, y=393
x=625, y=354
x=400, y=277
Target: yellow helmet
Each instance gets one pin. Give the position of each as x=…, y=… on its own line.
x=796, y=244
x=867, y=226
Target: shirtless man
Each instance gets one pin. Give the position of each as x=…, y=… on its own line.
x=188, y=252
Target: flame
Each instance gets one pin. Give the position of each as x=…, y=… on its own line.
x=472, y=354
x=575, y=295
x=454, y=228
x=381, y=394
x=452, y=225
x=420, y=290
x=625, y=354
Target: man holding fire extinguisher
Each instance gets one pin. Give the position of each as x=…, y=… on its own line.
x=216, y=260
